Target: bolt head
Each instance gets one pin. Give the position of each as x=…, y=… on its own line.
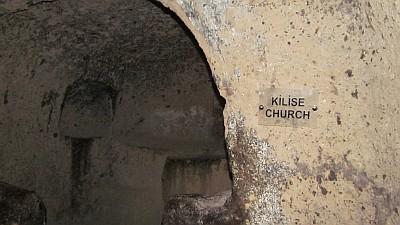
x=314, y=108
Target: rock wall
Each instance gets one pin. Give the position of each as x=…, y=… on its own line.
x=19, y=206
x=344, y=170
x=95, y=96
x=198, y=209
x=202, y=177
x=341, y=172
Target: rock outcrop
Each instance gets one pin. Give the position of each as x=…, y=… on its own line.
x=20, y=207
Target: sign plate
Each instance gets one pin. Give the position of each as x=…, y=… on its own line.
x=288, y=108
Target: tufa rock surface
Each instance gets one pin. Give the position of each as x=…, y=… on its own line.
x=20, y=207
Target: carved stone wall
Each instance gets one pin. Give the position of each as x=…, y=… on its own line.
x=344, y=171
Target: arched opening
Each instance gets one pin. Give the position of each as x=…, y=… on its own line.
x=110, y=116
x=144, y=127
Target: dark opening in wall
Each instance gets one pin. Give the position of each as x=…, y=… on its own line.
x=87, y=109
x=140, y=126
x=80, y=165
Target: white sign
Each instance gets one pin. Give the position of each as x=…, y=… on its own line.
x=288, y=108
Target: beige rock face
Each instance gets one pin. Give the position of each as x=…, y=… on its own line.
x=342, y=172
x=195, y=177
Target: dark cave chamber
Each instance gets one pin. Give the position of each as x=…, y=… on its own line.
x=112, y=117
x=146, y=135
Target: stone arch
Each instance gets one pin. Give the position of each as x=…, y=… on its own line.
x=87, y=54
x=91, y=83
x=182, y=15
x=237, y=213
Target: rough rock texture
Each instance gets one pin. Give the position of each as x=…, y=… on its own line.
x=20, y=207
x=95, y=96
x=205, y=177
x=342, y=172
x=200, y=210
